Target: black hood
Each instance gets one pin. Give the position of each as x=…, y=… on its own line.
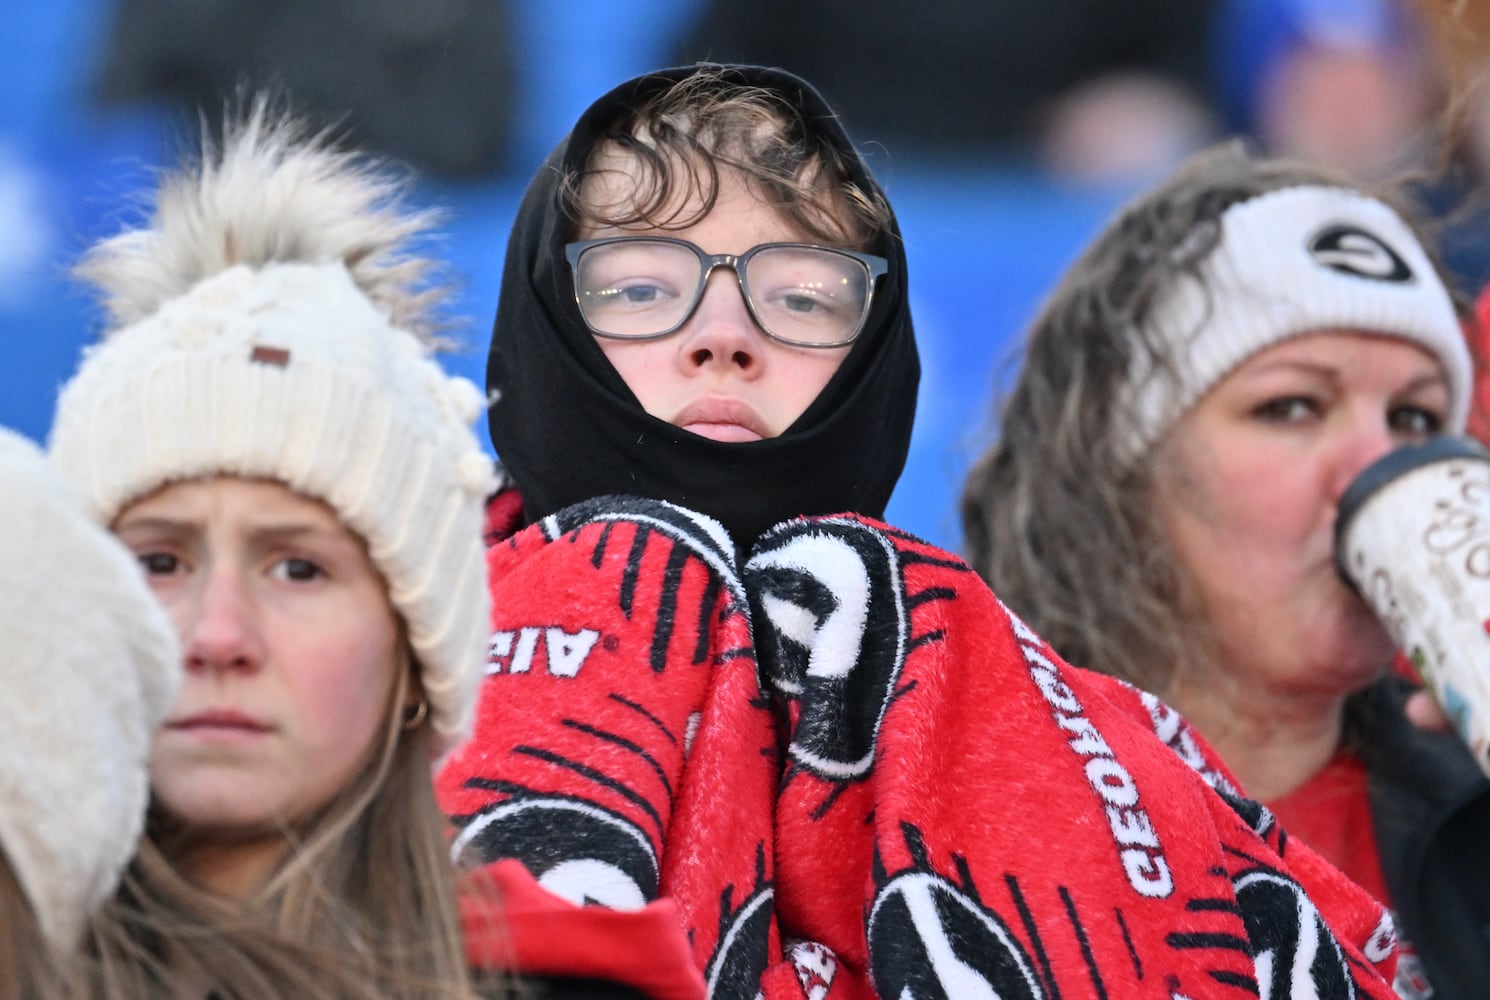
x=568, y=429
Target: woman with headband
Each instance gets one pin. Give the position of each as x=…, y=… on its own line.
x=1196, y=394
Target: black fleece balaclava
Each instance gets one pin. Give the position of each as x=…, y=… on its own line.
x=567, y=427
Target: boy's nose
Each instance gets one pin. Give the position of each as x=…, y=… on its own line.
x=722, y=330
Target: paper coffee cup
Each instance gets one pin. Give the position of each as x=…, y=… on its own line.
x=1413, y=538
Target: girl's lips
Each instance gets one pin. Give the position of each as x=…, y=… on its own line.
x=218, y=719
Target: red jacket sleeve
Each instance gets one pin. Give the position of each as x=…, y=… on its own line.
x=511, y=923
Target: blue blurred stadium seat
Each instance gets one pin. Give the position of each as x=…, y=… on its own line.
x=984, y=239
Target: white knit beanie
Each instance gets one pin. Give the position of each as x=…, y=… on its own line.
x=284, y=364
x=1292, y=262
x=90, y=668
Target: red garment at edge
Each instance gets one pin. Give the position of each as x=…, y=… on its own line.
x=1478, y=334
x=513, y=923
x=1331, y=812
x=922, y=801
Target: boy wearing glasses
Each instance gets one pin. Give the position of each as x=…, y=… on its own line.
x=617, y=327
x=723, y=698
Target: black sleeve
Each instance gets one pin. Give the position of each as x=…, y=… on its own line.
x=561, y=988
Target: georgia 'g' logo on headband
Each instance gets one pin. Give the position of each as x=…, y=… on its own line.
x=1353, y=250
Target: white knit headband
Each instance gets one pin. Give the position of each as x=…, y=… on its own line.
x=1288, y=263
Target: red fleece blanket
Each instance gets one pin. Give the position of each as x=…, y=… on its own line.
x=856, y=774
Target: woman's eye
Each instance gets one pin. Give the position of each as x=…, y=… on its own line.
x=1286, y=409
x=158, y=563
x=297, y=570
x=1415, y=420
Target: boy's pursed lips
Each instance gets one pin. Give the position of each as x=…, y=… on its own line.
x=723, y=418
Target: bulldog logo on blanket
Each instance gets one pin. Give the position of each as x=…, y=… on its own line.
x=1295, y=953
x=733, y=971
x=831, y=593
x=622, y=685
x=932, y=938
x=693, y=535
x=576, y=849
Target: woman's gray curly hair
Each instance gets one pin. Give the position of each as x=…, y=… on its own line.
x=1058, y=515
x=272, y=192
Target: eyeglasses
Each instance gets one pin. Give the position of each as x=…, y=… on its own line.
x=645, y=287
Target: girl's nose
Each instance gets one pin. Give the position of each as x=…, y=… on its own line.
x=218, y=630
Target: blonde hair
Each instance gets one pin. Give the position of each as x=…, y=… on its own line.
x=30, y=964
x=363, y=906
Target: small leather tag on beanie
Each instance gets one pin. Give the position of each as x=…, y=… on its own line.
x=279, y=357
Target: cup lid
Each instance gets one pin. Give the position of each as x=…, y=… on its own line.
x=1390, y=466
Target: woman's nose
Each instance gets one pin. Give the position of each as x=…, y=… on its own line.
x=1367, y=440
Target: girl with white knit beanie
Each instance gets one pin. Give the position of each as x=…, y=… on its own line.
x=90, y=667
x=264, y=425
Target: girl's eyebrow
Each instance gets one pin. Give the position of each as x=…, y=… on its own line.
x=331, y=540
x=157, y=523
x=289, y=531
x=270, y=533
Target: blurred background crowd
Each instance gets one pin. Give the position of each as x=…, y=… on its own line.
x=1005, y=133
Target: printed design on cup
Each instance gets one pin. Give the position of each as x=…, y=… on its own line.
x=1417, y=548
